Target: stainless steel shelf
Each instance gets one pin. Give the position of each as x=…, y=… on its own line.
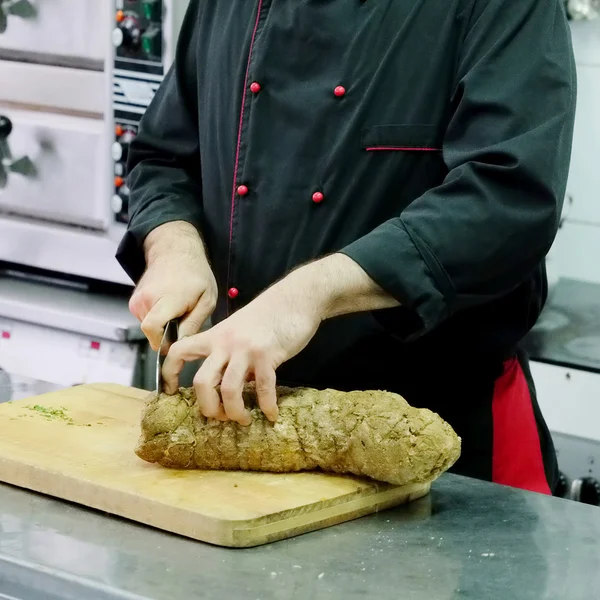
x=74, y=310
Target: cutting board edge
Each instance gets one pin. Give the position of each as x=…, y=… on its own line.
x=22, y=475
x=368, y=490
x=241, y=533
x=325, y=517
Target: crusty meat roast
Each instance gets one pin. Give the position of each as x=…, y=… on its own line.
x=365, y=433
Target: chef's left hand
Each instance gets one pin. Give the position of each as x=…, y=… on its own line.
x=250, y=344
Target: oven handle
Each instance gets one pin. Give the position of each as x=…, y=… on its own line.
x=23, y=166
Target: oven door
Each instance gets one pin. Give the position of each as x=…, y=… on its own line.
x=57, y=168
x=62, y=30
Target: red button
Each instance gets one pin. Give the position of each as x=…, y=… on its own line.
x=119, y=181
x=339, y=91
x=233, y=293
x=317, y=197
x=255, y=87
x=242, y=190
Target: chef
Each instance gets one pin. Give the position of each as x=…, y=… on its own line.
x=361, y=194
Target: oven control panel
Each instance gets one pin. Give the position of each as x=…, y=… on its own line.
x=138, y=30
x=144, y=36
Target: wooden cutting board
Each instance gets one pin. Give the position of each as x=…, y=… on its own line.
x=77, y=444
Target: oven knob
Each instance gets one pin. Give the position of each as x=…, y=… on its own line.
x=116, y=204
x=22, y=165
x=562, y=486
x=120, y=148
x=127, y=137
x=5, y=127
x=117, y=152
x=590, y=491
x=152, y=41
x=120, y=201
x=583, y=9
x=586, y=490
x=128, y=32
x=152, y=10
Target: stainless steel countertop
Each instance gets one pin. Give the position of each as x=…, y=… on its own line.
x=567, y=333
x=467, y=539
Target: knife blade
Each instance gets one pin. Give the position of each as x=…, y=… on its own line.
x=169, y=337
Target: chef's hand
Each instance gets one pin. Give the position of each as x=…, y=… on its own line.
x=251, y=344
x=178, y=282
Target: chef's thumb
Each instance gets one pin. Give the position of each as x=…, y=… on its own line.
x=154, y=323
x=193, y=322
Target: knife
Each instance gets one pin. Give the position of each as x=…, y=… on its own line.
x=169, y=337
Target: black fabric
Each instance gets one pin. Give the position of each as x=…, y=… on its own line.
x=476, y=100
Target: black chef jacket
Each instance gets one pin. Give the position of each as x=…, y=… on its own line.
x=429, y=141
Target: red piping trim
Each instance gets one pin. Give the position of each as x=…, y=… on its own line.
x=517, y=454
x=239, y=140
x=402, y=148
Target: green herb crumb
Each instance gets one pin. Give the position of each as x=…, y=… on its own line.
x=52, y=413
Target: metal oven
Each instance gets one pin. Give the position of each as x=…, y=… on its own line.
x=77, y=89
x=77, y=75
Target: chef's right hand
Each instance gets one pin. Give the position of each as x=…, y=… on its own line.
x=178, y=282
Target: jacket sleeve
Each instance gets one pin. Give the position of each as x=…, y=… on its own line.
x=164, y=159
x=489, y=225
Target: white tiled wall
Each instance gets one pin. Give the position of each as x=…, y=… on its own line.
x=576, y=252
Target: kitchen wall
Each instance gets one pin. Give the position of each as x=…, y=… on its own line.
x=576, y=252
